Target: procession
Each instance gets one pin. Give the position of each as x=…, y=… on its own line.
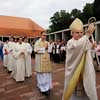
x=51, y=64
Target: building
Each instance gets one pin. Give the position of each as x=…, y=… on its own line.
x=18, y=26
x=65, y=34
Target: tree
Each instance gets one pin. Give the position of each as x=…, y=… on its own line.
x=97, y=9
x=87, y=12
x=59, y=21
x=62, y=19
x=76, y=13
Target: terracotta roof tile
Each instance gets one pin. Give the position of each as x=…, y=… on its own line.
x=19, y=26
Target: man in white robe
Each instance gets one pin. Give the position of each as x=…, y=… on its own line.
x=50, y=46
x=76, y=47
x=5, y=53
x=11, y=46
x=28, y=66
x=97, y=49
x=43, y=65
x=19, y=53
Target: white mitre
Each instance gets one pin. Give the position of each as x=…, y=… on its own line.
x=76, y=25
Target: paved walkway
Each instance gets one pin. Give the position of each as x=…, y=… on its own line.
x=10, y=90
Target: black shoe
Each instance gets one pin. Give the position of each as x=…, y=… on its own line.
x=9, y=72
x=38, y=89
x=47, y=93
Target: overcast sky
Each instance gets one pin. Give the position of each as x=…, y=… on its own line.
x=39, y=10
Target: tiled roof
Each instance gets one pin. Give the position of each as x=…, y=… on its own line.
x=17, y=26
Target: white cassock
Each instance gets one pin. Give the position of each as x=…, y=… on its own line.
x=75, y=49
x=19, y=71
x=10, y=65
x=28, y=66
x=44, y=81
x=5, y=59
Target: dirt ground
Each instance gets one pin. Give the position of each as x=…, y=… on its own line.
x=10, y=90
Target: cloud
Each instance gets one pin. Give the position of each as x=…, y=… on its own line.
x=39, y=10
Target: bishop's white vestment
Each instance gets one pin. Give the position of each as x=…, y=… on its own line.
x=74, y=52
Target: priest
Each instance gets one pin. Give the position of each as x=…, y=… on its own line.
x=43, y=65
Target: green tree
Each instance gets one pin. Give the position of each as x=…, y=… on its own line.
x=97, y=9
x=88, y=11
x=75, y=13
x=60, y=20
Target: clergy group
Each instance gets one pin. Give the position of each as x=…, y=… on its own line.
x=17, y=58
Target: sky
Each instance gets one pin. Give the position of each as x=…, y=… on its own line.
x=39, y=11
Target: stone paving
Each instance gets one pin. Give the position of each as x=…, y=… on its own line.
x=10, y=90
